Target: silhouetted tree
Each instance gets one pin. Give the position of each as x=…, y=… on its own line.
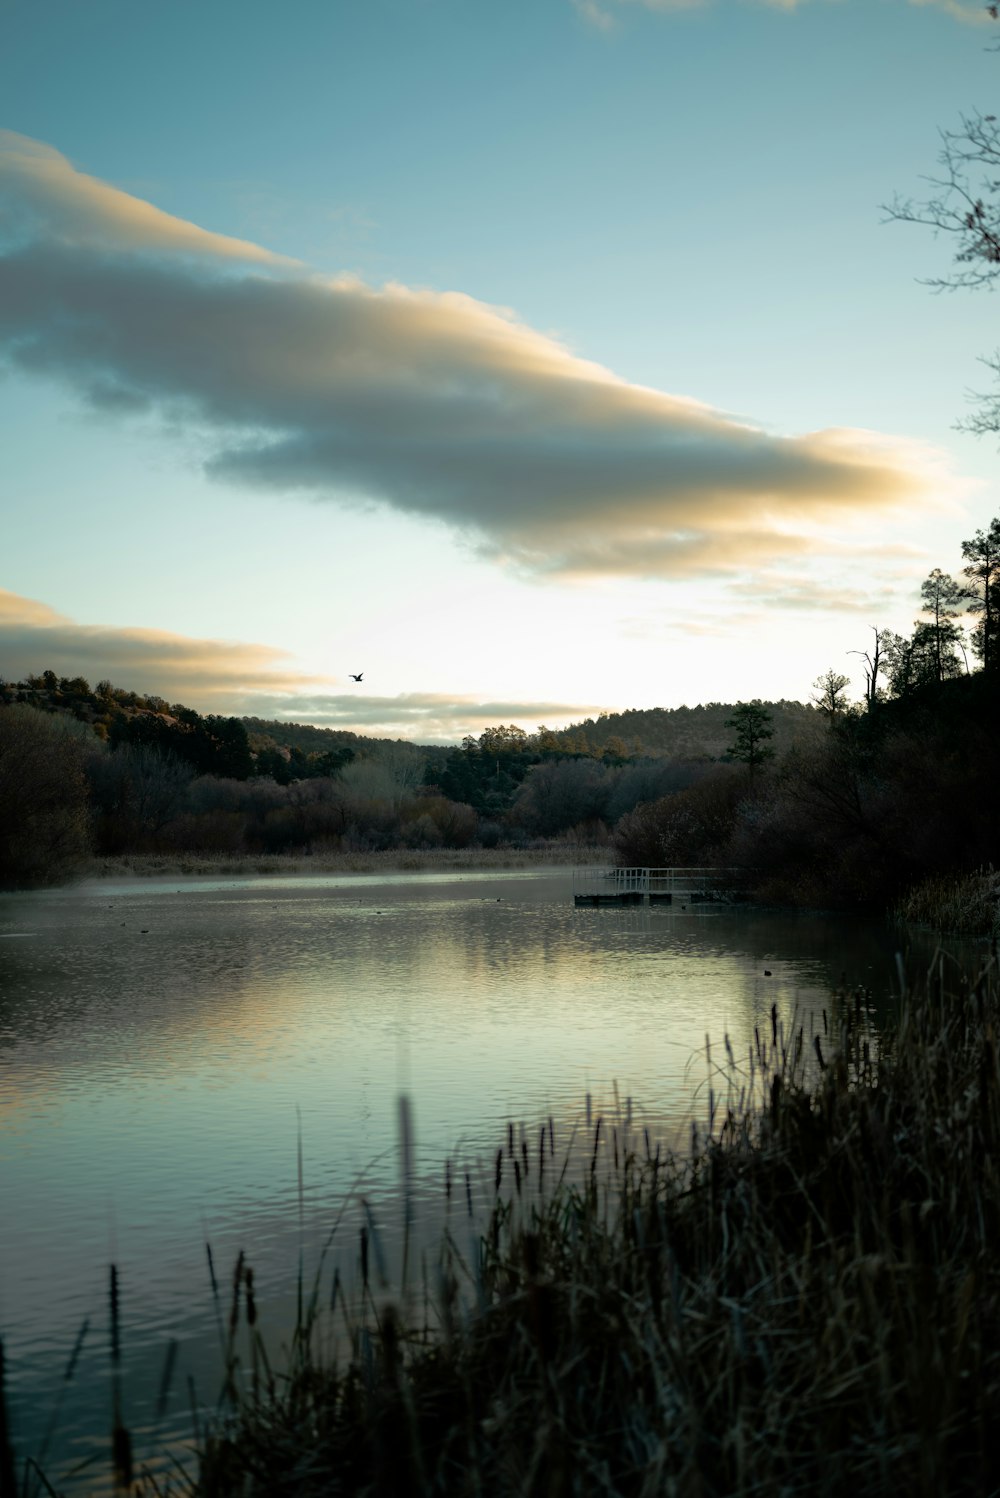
x=751, y=723
x=831, y=692
x=965, y=205
x=874, y=660
x=982, y=570
x=941, y=596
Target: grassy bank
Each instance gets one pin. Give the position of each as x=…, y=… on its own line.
x=808, y=1301
x=956, y=904
x=393, y=860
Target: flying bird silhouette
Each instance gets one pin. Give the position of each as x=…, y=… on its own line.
x=355, y=678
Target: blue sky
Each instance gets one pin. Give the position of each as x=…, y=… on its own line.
x=547, y=357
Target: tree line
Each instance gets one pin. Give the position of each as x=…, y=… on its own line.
x=107, y=771
x=828, y=802
x=901, y=786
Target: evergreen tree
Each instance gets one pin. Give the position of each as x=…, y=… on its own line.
x=751, y=722
x=982, y=557
x=940, y=596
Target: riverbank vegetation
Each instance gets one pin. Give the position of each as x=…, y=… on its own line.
x=154, y=781
x=386, y=861
x=828, y=804
x=807, y=1300
x=959, y=905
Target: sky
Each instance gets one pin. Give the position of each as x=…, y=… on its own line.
x=531, y=359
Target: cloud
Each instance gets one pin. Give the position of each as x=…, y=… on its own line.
x=431, y=403
x=43, y=197
x=601, y=13
x=209, y=674
x=225, y=676
x=426, y=717
x=808, y=595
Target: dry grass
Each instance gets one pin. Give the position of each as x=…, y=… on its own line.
x=807, y=1302
x=393, y=860
x=956, y=904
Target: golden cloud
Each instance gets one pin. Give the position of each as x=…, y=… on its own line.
x=242, y=679
x=209, y=673
x=432, y=404
x=41, y=192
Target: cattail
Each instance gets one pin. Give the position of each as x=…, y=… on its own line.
x=166, y=1378
x=234, y=1309
x=8, y=1475
x=597, y=1142
x=121, y=1441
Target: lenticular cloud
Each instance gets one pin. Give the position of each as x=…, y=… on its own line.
x=429, y=403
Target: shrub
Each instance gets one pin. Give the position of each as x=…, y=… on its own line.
x=44, y=832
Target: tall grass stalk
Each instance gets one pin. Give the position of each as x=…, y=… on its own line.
x=956, y=904
x=809, y=1301
x=805, y=1302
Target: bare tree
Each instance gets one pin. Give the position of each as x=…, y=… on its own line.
x=874, y=662
x=830, y=695
x=964, y=203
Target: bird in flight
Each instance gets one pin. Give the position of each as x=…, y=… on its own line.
x=355, y=678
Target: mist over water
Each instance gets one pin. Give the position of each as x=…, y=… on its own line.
x=164, y=1046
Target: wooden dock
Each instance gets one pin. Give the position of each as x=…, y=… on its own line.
x=638, y=886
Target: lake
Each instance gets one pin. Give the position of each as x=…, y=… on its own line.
x=167, y=1049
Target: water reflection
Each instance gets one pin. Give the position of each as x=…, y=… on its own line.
x=161, y=1046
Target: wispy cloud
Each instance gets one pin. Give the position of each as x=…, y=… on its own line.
x=601, y=13
x=231, y=677
x=430, y=403
x=426, y=717
x=208, y=674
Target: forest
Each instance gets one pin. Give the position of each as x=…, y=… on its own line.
x=831, y=802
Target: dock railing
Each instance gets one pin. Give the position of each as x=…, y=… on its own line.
x=631, y=885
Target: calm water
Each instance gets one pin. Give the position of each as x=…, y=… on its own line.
x=163, y=1044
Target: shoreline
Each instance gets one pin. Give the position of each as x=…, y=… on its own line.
x=392, y=860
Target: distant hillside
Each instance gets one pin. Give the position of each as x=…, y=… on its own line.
x=686, y=732
x=655, y=732
x=268, y=733
x=120, y=716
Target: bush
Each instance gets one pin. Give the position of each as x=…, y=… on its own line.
x=690, y=828
x=44, y=830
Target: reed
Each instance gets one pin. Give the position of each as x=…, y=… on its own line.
x=805, y=1301
x=808, y=1300
x=956, y=904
